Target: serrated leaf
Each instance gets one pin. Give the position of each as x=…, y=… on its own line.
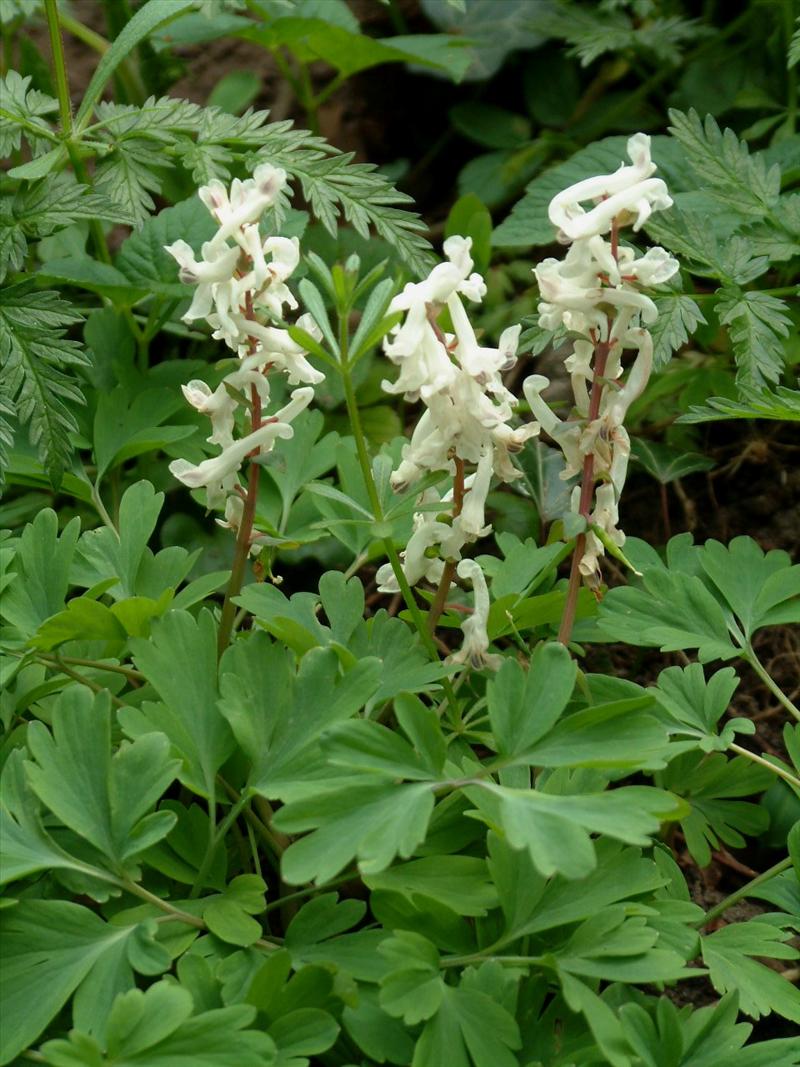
x=678, y=318
x=37, y=360
x=724, y=162
x=782, y=405
x=757, y=324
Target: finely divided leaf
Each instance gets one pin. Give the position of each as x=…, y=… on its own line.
x=37, y=361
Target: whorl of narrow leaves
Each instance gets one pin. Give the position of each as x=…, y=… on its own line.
x=34, y=355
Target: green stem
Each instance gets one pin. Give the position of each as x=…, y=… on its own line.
x=59, y=68
x=129, y=672
x=780, y=771
x=216, y=839
x=310, y=891
x=377, y=510
x=61, y=667
x=791, y=74
x=744, y=891
x=750, y=656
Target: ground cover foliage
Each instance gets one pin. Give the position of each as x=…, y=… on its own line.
x=259, y=809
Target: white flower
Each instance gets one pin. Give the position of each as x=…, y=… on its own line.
x=213, y=275
x=218, y=405
x=629, y=194
x=219, y=474
x=475, y=649
x=246, y=201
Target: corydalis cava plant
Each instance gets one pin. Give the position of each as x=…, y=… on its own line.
x=594, y=292
x=241, y=289
x=466, y=425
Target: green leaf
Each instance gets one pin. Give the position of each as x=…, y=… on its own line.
x=469, y=1028
x=231, y=923
x=761, y=588
x=782, y=405
x=144, y=21
x=104, y=799
x=459, y=882
x=142, y=259
x=469, y=217
x=180, y=662
x=370, y=823
x=42, y=568
x=699, y=705
x=723, y=162
x=531, y=903
x=22, y=111
x=665, y=463
x=50, y=947
x=27, y=847
x=556, y=829
x=678, y=318
x=126, y=426
x=37, y=362
x=103, y=553
x=278, y=717
x=374, y=749
x=156, y=1028
x=669, y=611
x=727, y=954
x=708, y=782
x=523, y=708
x=489, y=125
x=757, y=323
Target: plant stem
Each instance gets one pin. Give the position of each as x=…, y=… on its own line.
x=786, y=775
x=242, y=550
x=59, y=68
x=750, y=656
x=129, y=672
x=216, y=840
x=743, y=891
x=587, y=494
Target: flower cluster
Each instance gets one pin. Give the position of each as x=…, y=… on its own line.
x=467, y=421
x=594, y=292
x=240, y=291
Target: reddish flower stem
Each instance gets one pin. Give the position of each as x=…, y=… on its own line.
x=242, y=550
x=601, y=351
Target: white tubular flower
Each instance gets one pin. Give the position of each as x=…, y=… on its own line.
x=472, y=520
x=213, y=275
x=630, y=194
x=219, y=474
x=247, y=200
x=475, y=649
x=655, y=267
x=218, y=405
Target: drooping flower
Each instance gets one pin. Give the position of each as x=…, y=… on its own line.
x=475, y=649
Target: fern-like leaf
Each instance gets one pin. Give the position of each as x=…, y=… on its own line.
x=783, y=405
x=678, y=318
x=209, y=143
x=757, y=324
x=724, y=162
x=21, y=111
x=33, y=356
